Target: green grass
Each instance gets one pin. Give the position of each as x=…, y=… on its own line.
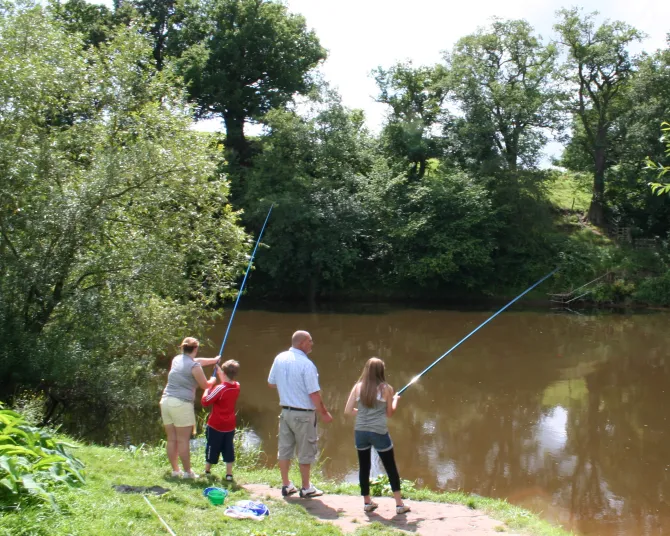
x=97, y=509
x=571, y=191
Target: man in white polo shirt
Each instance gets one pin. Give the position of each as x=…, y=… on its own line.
x=297, y=380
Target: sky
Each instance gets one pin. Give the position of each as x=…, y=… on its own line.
x=361, y=35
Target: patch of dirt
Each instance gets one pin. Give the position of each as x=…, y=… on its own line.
x=425, y=518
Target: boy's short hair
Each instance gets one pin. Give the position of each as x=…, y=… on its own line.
x=231, y=368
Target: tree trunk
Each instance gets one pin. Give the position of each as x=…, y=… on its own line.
x=236, y=144
x=422, y=168
x=596, y=213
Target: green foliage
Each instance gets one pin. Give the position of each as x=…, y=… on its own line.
x=657, y=187
x=381, y=486
x=94, y=23
x=599, y=70
x=245, y=58
x=503, y=79
x=415, y=96
x=439, y=231
x=620, y=291
x=309, y=167
x=112, y=235
x=654, y=290
x=32, y=462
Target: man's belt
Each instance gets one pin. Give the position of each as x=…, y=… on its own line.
x=296, y=409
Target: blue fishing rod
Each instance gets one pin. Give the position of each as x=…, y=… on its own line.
x=239, y=293
x=416, y=378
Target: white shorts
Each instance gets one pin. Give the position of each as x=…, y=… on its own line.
x=177, y=412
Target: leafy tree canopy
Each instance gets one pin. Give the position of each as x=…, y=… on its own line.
x=112, y=237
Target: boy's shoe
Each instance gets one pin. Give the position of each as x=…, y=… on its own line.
x=370, y=507
x=229, y=478
x=311, y=491
x=190, y=474
x=402, y=509
x=288, y=490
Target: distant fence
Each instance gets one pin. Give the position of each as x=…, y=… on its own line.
x=624, y=235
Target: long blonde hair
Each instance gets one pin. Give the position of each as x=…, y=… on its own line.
x=371, y=379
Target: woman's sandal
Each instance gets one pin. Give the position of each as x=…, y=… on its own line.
x=370, y=507
x=402, y=509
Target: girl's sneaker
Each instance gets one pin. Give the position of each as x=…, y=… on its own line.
x=402, y=509
x=370, y=507
x=190, y=474
x=176, y=474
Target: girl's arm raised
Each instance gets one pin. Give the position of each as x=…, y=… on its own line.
x=349, y=409
x=391, y=401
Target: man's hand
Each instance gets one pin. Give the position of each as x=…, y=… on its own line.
x=326, y=417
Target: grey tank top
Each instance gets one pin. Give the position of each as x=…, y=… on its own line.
x=181, y=384
x=372, y=419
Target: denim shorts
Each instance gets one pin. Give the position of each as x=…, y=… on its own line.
x=365, y=440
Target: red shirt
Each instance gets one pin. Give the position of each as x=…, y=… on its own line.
x=222, y=399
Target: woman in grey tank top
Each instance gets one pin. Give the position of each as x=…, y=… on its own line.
x=372, y=401
x=177, y=403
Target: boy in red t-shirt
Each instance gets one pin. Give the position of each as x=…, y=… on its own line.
x=221, y=423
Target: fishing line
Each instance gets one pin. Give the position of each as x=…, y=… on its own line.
x=167, y=527
x=239, y=293
x=416, y=378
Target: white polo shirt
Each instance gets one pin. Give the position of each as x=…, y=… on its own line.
x=296, y=378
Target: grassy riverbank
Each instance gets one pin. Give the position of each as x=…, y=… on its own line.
x=96, y=508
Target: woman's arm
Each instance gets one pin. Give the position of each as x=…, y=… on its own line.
x=206, y=361
x=199, y=376
x=391, y=401
x=349, y=409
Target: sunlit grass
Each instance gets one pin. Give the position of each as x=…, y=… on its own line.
x=98, y=509
x=570, y=191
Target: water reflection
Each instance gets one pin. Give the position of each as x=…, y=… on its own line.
x=562, y=414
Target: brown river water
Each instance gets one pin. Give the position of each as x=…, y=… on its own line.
x=564, y=414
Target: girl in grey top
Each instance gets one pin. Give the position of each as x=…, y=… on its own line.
x=372, y=400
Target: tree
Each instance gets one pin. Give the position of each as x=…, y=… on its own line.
x=96, y=23
x=657, y=187
x=252, y=56
x=415, y=96
x=598, y=68
x=310, y=167
x=114, y=227
x=503, y=80
x=159, y=18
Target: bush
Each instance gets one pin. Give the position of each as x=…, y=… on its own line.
x=655, y=290
x=32, y=462
x=620, y=291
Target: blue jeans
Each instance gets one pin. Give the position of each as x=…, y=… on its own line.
x=365, y=440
